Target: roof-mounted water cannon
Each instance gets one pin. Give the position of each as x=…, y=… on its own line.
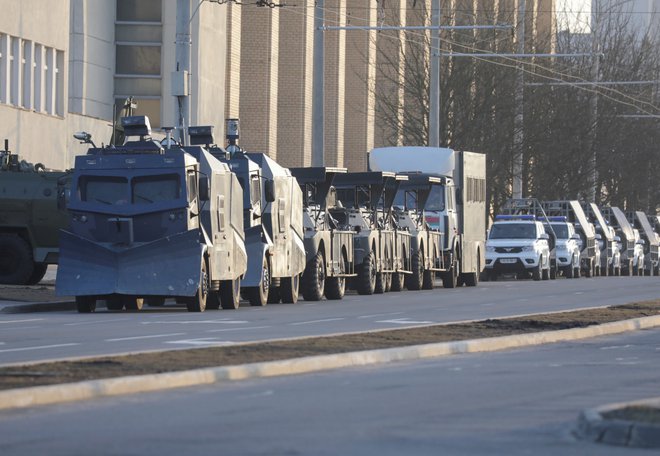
x=137, y=126
x=84, y=138
x=232, y=134
x=201, y=135
x=169, y=141
x=7, y=159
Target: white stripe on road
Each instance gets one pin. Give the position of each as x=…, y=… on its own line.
x=236, y=329
x=380, y=315
x=40, y=347
x=105, y=320
x=20, y=321
x=153, y=336
x=225, y=321
x=405, y=321
x=315, y=321
x=200, y=342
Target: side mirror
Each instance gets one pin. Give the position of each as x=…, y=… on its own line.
x=575, y=236
x=269, y=190
x=204, y=188
x=544, y=236
x=599, y=237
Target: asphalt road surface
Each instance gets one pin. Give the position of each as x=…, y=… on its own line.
x=56, y=335
x=522, y=402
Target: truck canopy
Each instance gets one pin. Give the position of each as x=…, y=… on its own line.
x=438, y=161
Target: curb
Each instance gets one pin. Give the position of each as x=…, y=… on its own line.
x=54, y=394
x=592, y=426
x=51, y=306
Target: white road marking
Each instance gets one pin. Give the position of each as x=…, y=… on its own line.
x=153, y=336
x=93, y=322
x=40, y=347
x=245, y=328
x=487, y=304
x=380, y=315
x=615, y=347
x=21, y=321
x=224, y=321
x=315, y=321
x=405, y=321
x=579, y=292
x=200, y=342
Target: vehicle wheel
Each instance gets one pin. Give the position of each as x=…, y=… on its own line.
x=553, y=272
x=536, y=272
x=428, y=282
x=230, y=293
x=590, y=270
x=114, y=303
x=388, y=281
x=472, y=278
x=86, y=304
x=366, y=279
x=38, y=273
x=576, y=272
x=16, y=265
x=289, y=289
x=335, y=287
x=274, y=294
x=569, y=272
x=397, y=281
x=618, y=272
x=415, y=280
x=258, y=296
x=197, y=303
x=492, y=275
x=132, y=303
x=629, y=270
x=380, y=283
x=155, y=301
x=545, y=274
x=450, y=278
x=313, y=279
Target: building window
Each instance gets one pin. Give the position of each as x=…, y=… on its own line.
x=138, y=31
x=30, y=75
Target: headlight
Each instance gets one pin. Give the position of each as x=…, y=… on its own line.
x=528, y=248
x=490, y=249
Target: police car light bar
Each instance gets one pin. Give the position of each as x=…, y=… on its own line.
x=558, y=218
x=514, y=217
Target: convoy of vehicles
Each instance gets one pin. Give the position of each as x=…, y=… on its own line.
x=207, y=226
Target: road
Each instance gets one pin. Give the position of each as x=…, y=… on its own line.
x=56, y=335
x=522, y=402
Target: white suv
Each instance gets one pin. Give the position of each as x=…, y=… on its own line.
x=517, y=244
x=568, y=246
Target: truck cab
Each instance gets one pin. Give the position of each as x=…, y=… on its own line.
x=517, y=244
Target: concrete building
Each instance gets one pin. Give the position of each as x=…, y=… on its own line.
x=64, y=64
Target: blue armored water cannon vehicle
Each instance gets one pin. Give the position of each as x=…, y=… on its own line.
x=151, y=221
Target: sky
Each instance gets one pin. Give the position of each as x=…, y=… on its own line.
x=573, y=14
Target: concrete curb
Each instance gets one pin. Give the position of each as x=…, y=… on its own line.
x=53, y=394
x=29, y=307
x=592, y=426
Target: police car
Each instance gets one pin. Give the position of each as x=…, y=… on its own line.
x=568, y=246
x=517, y=244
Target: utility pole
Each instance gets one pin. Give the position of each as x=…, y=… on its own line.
x=318, y=92
x=593, y=104
x=434, y=105
x=518, y=120
x=180, y=77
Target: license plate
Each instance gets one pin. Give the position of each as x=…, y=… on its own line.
x=508, y=260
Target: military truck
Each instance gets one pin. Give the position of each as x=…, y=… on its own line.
x=605, y=242
x=272, y=218
x=150, y=222
x=617, y=220
x=426, y=242
x=366, y=208
x=650, y=244
x=457, y=208
x=572, y=210
x=328, y=245
x=29, y=218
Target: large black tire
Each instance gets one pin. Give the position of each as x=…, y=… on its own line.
x=589, y=272
x=313, y=279
x=230, y=294
x=114, y=303
x=38, y=273
x=450, y=278
x=258, y=296
x=86, y=304
x=335, y=287
x=16, y=264
x=289, y=289
x=428, y=282
x=472, y=278
x=366, y=278
x=197, y=303
x=397, y=281
x=536, y=272
x=629, y=270
x=415, y=280
x=380, y=283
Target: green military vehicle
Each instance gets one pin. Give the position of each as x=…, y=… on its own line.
x=29, y=218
